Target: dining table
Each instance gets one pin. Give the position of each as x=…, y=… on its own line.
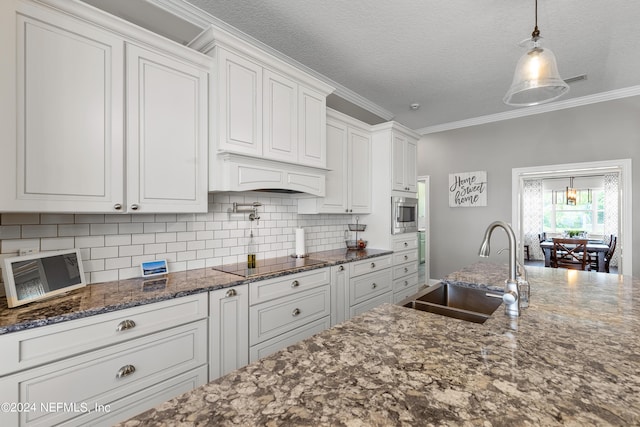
x=599, y=247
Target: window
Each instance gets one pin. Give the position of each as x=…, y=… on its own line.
x=584, y=216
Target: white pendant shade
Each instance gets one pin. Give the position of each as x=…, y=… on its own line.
x=536, y=79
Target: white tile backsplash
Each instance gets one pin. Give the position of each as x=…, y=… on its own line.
x=112, y=246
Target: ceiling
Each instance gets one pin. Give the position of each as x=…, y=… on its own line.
x=454, y=58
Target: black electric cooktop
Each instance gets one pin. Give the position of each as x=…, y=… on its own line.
x=268, y=266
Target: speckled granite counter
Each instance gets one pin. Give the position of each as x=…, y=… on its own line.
x=572, y=358
x=112, y=296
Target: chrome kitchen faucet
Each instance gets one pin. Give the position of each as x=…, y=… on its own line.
x=510, y=296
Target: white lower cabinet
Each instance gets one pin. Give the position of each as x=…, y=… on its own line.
x=286, y=310
x=114, y=378
x=370, y=284
x=339, y=293
x=228, y=330
x=405, y=266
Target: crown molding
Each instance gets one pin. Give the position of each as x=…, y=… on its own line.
x=202, y=19
x=530, y=111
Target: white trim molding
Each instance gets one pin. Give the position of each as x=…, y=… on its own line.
x=530, y=111
x=623, y=166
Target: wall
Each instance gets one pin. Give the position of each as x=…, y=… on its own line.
x=604, y=131
x=113, y=246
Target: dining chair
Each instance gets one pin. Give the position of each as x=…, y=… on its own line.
x=593, y=259
x=570, y=253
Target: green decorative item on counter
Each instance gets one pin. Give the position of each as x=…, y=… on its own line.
x=575, y=233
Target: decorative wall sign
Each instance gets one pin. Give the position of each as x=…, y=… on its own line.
x=468, y=189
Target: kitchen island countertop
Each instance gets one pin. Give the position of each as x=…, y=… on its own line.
x=572, y=358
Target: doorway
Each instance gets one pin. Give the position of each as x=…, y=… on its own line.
x=424, y=230
x=522, y=177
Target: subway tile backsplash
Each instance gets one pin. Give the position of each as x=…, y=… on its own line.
x=113, y=246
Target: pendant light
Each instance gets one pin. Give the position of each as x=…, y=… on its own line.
x=536, y=79
x=572, y=193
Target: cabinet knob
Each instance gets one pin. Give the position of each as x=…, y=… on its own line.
x=374, y=285
x=373, y=265
x=295, y=312
x=406, y=257
x=341, y=268
x=117, y=207
x=295, y=284
x=134, y=207
x=231, y=293
x=406, y=283
x=406, y=244
x=125, y=324
x=125, y=371
x=406, y=270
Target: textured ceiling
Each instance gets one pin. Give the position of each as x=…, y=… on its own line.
x=455, y=58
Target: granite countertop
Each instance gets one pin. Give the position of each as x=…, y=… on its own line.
x=112, y=296
x=572, y=358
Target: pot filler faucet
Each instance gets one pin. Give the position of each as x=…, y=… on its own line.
x=510, y=296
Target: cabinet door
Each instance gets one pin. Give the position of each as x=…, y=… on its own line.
x=359, y=172
x=339, y=294
x=67, y=152
x=166, y=134
x=398, y=163
x=336, y=198
x=280, y=116
x=410, y=165
x=239, y=99
x=229, y=330
x=312, y=119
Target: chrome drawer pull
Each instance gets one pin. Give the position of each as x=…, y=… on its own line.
x=373, y=285
x=134, y=207
x=341, y=268
x=406, y=257
x=295, y=312
x=125, y=371
x=373, y=265
x=231, y=293
x=406, y=244
x=406, y=270
x=295, y=284
x=117, y=206
x=125, y=324
x=406, y=282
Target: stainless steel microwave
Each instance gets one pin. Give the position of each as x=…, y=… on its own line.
x=404, y=215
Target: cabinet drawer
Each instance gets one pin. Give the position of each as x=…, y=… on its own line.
x=405, y=293
x=405, y=242
x=104, y=376
x=370, y=265
x=372, y=303
x=26, y=349
x=364, y=287
x=405, y=282
x=405, y=269
x=265, y=290
x=143, y=400
x=285, y=340
x=273, y=318
x=405, y=256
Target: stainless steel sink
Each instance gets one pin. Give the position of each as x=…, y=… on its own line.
x=460, y=302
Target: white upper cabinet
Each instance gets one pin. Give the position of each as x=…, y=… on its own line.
x=88, y=102
x=239, y=109
x=66, y=153
x=264, y=109
x=166, y=133
x=280, y=112
x=348, y=181
x=404, y=163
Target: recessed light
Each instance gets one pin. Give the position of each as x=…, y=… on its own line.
x=414, y=106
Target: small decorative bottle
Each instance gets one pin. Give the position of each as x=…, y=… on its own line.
x=251, y=252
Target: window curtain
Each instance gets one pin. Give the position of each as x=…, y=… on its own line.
x=612, y=211
x=532, y=216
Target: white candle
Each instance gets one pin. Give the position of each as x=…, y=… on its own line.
x=300, y=249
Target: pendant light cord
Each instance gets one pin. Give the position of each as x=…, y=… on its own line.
x=536, y=33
